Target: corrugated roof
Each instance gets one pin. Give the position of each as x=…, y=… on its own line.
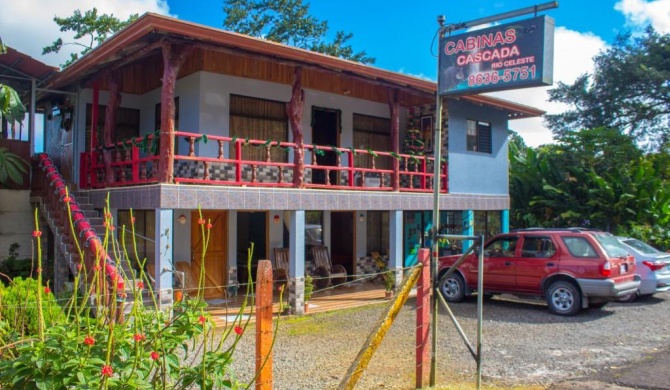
x=150, y=23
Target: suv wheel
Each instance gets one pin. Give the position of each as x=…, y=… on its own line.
x=563, y=298
x=452, y=287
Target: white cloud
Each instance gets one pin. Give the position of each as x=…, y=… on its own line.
x=28, y=26
x=573, y=56
x=640, y=13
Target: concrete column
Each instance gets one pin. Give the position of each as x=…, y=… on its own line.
x=164, y=243
x=395, y=243
x=233, y=278
x=468, y=222
x=296, y=267
x=504, y=221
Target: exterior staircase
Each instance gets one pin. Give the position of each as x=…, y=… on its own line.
x=49, y=191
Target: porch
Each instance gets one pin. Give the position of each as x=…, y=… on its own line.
x=347, y=296
x=225, y=161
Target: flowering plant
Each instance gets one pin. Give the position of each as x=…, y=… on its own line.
x=148, y=349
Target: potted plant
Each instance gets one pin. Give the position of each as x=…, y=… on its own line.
x=309, y=290
x=389, y=282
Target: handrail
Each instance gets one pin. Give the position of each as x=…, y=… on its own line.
x=130, y=168
x=56, y=201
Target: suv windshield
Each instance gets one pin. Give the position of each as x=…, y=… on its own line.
x=612, y=246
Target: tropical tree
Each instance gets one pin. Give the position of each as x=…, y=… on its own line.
x=90, y=30
x=628, y=91
x=288, y=22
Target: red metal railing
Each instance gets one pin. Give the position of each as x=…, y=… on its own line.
x=51, y=188
x=230, y=161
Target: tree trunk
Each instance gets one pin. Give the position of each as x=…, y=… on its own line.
x=173, y=58
x=294, y=109
x=394, y=110
x=110, y=124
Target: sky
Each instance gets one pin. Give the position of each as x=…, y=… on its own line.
x=398, y=34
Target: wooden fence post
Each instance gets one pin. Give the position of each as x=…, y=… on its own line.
x=423, y=320
x=264, y=325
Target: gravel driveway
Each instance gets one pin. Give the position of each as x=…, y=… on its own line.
x=523, y=344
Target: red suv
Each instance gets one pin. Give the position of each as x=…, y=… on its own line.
x=571, y=268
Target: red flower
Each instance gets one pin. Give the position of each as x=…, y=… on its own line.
x=238, y=329
x=39, y=270
x=37, y=233
x=140, y=285
x=132, y=220
x=201, y=221
x=96, y=268
x=67, y=199
x=89, y=341
x=107, y=371
x=112, y=227
x=154, y=355
x=108, y=215
x=47, y=290
x=202, y=320
x=139, y=337
x=209, y=226
x=78, y=266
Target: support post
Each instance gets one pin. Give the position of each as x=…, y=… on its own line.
x=174, y=57
x=296, y=267
x=423, y=295
x=394, y=109
x=164, y=244
x=504, y=221
x=434, y=231
x=294, y=110
x=110, y=124
x=264, y=325
x=33, y=101
x=395, y=242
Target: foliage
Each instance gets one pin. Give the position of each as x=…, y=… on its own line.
x=11, y=108
x=413, y=144
x=12, y=167
x=288, y=22
x=19, y=307
x=147, y=349
x=13, y=267
x=628, y=91
x=90, y=28
x=389, y=280
x=309, y=287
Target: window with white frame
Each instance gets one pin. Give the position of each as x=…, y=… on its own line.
x=479, y=136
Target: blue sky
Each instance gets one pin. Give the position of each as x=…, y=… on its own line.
x=397, y=33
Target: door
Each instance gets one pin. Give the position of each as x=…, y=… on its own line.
x=325, y=132
x=252, y=227
x=537, y=260
x=342, y=240
x=499, y=265
x=216, y=261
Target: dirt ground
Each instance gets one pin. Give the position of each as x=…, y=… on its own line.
x=651, y=373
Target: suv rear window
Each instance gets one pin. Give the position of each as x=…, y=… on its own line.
x=612, y=246
x=579, y=247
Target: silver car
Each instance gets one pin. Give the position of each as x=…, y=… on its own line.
x=651, y=264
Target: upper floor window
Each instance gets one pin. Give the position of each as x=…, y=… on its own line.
x=479, y=136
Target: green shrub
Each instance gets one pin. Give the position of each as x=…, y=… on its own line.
x=14, y=267
x=309, y=287
x=18, y=307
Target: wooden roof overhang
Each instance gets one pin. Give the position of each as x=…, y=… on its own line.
x=135, y=52
x=18, y=70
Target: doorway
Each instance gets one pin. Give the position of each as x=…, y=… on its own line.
x=216, y=260
x=325, y=132
x=342, y=240
x=251, y=228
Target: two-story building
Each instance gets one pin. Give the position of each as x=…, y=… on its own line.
x=277, y=146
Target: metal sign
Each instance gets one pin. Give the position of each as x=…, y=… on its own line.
x=513, y=55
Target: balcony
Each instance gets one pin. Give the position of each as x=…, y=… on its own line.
x=232, y=161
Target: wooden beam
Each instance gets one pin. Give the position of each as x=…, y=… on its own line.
x=110, y=124
x=174, y=57
x=394, y=112
x=264, y=325
x=294, y=110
